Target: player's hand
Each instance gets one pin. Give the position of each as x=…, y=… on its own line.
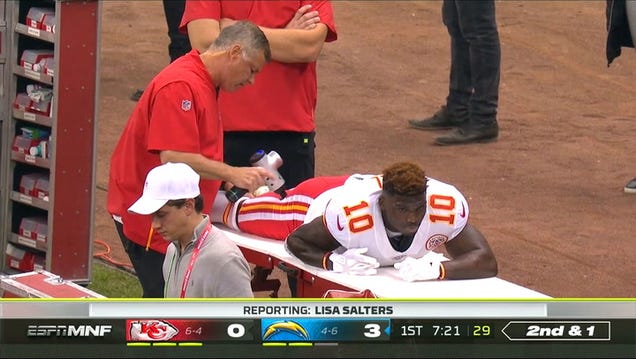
x=411, y=269
x=353, y=261
x=304, y=19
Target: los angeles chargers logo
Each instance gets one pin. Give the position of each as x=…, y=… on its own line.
x=285, y=331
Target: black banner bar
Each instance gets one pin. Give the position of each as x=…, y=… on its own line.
x=134, y=334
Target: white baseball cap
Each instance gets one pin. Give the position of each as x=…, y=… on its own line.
x=167, y=182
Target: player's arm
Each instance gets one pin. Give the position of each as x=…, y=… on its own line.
x=471, y=256
x=310, y=242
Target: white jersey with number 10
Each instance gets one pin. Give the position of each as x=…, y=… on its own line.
x=352, y=216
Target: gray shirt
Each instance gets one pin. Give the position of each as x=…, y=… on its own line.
x=220, y=270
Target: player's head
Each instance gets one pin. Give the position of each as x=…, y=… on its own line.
x=403, y=199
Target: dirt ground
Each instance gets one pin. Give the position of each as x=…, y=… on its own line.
x=548, y=195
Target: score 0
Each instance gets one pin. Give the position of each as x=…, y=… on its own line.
x=238, y=330
x=235, y=330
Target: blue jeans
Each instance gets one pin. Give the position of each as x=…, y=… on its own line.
x=475, y=60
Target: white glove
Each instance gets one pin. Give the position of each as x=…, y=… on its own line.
x=411, y=269
x=353, y=261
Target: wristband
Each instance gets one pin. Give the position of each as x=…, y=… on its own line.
x=442, y=272
x=325, y=260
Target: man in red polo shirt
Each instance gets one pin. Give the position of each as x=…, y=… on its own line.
x=177, y=120
x=277, y=113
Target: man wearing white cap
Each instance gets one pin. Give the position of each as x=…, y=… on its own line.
x=201, y=262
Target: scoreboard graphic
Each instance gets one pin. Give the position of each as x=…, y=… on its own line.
x=262, y=335
x=148, y=332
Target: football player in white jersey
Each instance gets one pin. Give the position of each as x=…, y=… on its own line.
x=355, y=225
x=395, y=224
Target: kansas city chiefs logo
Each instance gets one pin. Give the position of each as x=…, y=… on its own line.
x=151, y=330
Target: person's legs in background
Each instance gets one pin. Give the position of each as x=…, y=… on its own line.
x=479, y=27
x=455, y=112
x=460, y=85
x=179, y=44
x=475, y=69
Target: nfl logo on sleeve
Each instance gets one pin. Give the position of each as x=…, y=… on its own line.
x=186, y=105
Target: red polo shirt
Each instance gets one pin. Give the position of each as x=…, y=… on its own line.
x=178, y=111
x=284, y=96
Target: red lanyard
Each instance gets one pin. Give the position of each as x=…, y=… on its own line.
x=195, y=253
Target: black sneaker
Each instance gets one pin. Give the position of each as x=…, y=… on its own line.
x=465, y=135
x=441, y=120
x=630, y=187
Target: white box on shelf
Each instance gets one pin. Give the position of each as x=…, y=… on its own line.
x=33, y=59
x=35, y=16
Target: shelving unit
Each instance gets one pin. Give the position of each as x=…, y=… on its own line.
x=3, y=122
x=49, y=177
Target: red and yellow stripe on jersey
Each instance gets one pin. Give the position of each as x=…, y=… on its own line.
x=270, y=216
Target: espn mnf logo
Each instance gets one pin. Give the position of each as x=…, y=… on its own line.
x=66, y=330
